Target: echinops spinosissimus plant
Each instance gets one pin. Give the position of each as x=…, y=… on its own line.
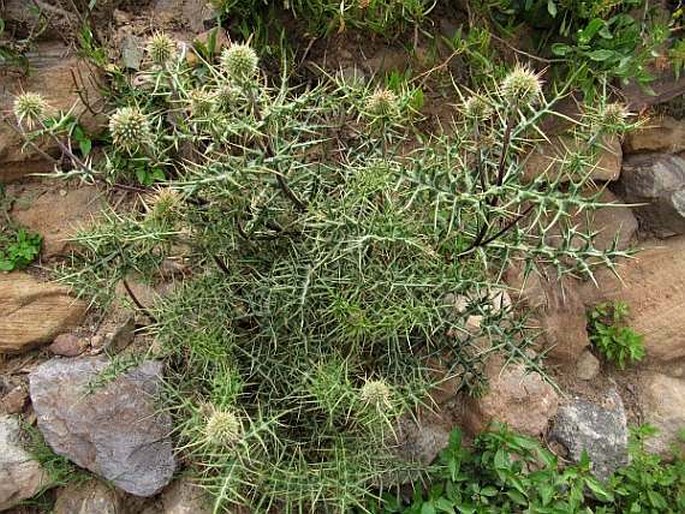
x=329, y=238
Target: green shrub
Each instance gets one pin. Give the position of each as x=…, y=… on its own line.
x=599, y=40
x=618, y=343
x=506, y=472
x=18, y=248
x=337, y=252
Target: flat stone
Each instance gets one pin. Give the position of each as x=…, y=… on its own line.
x=600, y=430
x=52, y=65
x=587, y=366
x=68, y=345
x=657, y=180
x=33, y=313
x=57, y=215
x=546, y=158
x=115, y=430
x=92, y=497
x=21, y=476
x=662, y=134
x=663, y=407
x=520, y=398
x=653, y=286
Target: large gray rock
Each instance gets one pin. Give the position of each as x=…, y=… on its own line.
x=600, y=430
x=663, y=405
x=21, y=476
x=657, y=180
x=114, y=430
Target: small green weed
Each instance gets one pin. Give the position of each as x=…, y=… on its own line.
x=18, y=248
x=618, y=343
x=506, y=472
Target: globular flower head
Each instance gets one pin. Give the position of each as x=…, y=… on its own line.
x=376, y=393
x=522, y=87
x=223, y=428
x=614, y=115
x=200, y=102
x=477, y=108
x=30, y=109
x=165, y=205
x=240, y=62
x=130, y=129
x=161, y=48
x=382, y=103
x=228, y=97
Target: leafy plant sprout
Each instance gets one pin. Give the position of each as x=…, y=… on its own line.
x=325, y=231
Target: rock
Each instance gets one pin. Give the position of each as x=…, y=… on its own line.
x=131, y=52
x=422, y=441
x=546, y=158
x=657, y=180
x=68, y=345
x=663, y=407
x=558, y=310
x=115, y=431
x=33, y=313
x=15, y=400
x=665, y=87
x=186, y=497
x=21, y=476
x=587, y=366
x=55, y=214
x=92, y=497
x=663, y=134
x=520, y=398
x=611, y=224
x=190, y=13
x=601, y=430
x=51, y=75
x=653, y=286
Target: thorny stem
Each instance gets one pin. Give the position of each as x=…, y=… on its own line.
x=137, y=302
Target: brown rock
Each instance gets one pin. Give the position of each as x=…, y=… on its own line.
x=51, y=75
x=520, y=398
x=663, y=134
x=56, y=215
x=653, y=286
x=663, y=406
x=546, y=158
x=558, y=310
x=92, y=497
x=33, y=313
x=15, y=400
x=186, y=497
x=587, y=366
x=68, y=345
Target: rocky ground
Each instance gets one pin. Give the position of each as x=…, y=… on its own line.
x=52, y=347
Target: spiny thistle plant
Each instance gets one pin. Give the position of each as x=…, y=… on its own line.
x=325, y=247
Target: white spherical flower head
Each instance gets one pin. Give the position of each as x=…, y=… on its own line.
x=382, y=103
x=614, y=115
x=161, y=48
x=376, y=393
x=522, y=87
x=223, y=428
x=240, y=62
x=30, y=109
x=228, y=97
x=477, y=108
x=200, y=102
x=130, y=128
